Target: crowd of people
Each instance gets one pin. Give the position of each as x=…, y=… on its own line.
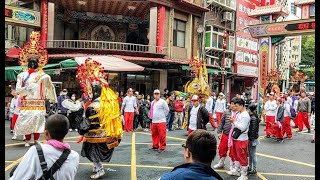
x=236, y=122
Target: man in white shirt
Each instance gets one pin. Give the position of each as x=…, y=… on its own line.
x=220, y=107
x=270, y=109
x=129, y=106
x=56, y=128
x=198, y=115
x=240, y=144
x=209, y=105
x=158, y=112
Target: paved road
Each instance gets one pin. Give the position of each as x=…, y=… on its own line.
x=291, y=160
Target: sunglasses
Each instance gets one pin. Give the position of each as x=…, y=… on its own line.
x=156, y=93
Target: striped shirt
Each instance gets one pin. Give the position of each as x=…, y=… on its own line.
x=304, y=105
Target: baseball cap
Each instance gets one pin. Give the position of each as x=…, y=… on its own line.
x=129, y=90
x=221, y=94
x=195, y=98
x=156, y=91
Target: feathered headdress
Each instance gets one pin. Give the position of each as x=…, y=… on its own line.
x=33, y=49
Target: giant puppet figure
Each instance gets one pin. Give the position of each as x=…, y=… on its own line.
x=197, y=85
x=33, y=86
x=297, y=79
x=102, y=112
x=272, y=84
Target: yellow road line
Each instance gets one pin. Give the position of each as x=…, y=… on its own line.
x=9, y=161
x=133, y=158
x=14, y=144
x=169, y=137
x=283, y=159
x=294, y=175
x=261, y=177
x=105, y=164
x=161, y=167
x=13, y=164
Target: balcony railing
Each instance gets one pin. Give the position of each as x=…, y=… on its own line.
x=10, y=43
x=103, y=45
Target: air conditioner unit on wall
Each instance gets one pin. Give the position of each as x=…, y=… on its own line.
x=227, y=63
x=227, y=16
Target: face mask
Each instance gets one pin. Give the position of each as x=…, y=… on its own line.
x=73, y=98
x=64, y=93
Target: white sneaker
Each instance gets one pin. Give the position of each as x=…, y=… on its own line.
x=218, y=166
x=70, y=130
x=27, y=144
x=243, y=177
x=14, y=137
x=76, y=130
x=233, y=172
x=98, y=174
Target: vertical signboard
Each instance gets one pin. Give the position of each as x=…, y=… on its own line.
x=246, y=46
x=160, y=27
x=44, y=25
x=264, y=57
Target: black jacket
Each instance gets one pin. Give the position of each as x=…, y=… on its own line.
x=253, y=132
x=280, y=114
x=202, y=117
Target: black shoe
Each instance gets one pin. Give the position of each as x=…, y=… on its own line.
x=309, y=131
x=249, y=169
x=312, y=141
x=154, y=149
x=280, y=140
x=11, y=132
x=253, y=171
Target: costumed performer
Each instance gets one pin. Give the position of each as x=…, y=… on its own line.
x=33, y=86
x=101, y=127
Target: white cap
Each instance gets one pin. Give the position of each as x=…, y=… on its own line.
x=195, y=98
x=221, y=94
x=156, y=91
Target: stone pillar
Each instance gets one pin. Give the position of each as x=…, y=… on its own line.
x=163, y=79
x=51, y=20
x=153, y=29
x=189, y=36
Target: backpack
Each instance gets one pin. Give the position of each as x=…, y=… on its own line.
x=47, y=174
x=293, y=112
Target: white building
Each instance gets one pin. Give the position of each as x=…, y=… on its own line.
x=288, y=51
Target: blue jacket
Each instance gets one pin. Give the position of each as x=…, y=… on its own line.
x=191, y=171
x=59, y=105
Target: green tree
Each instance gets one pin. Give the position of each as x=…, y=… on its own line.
x=308, y=56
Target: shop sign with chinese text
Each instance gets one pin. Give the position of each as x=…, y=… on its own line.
x=22, y=16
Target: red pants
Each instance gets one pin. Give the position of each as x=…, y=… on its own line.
x=296, y=121
x=277, y=131
x=35, y=136
x=158, y=133
x=189, y=131
x=287, y=127
x=212, y=120
x=219, y=116
x=14, y=120
x=240, y=152
x=128, y=121
x=269, y=122
x=303, y=118
x=223, y=147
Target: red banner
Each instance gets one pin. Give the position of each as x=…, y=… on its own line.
x=160, y=27
x=44, y=24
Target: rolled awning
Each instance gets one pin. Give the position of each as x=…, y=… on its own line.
x=112, y=63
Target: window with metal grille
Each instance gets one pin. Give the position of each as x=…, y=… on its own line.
x=293, y=9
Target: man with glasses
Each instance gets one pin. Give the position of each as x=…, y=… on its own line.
x=198, y=115
x=199, y=151
x=158, y=112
